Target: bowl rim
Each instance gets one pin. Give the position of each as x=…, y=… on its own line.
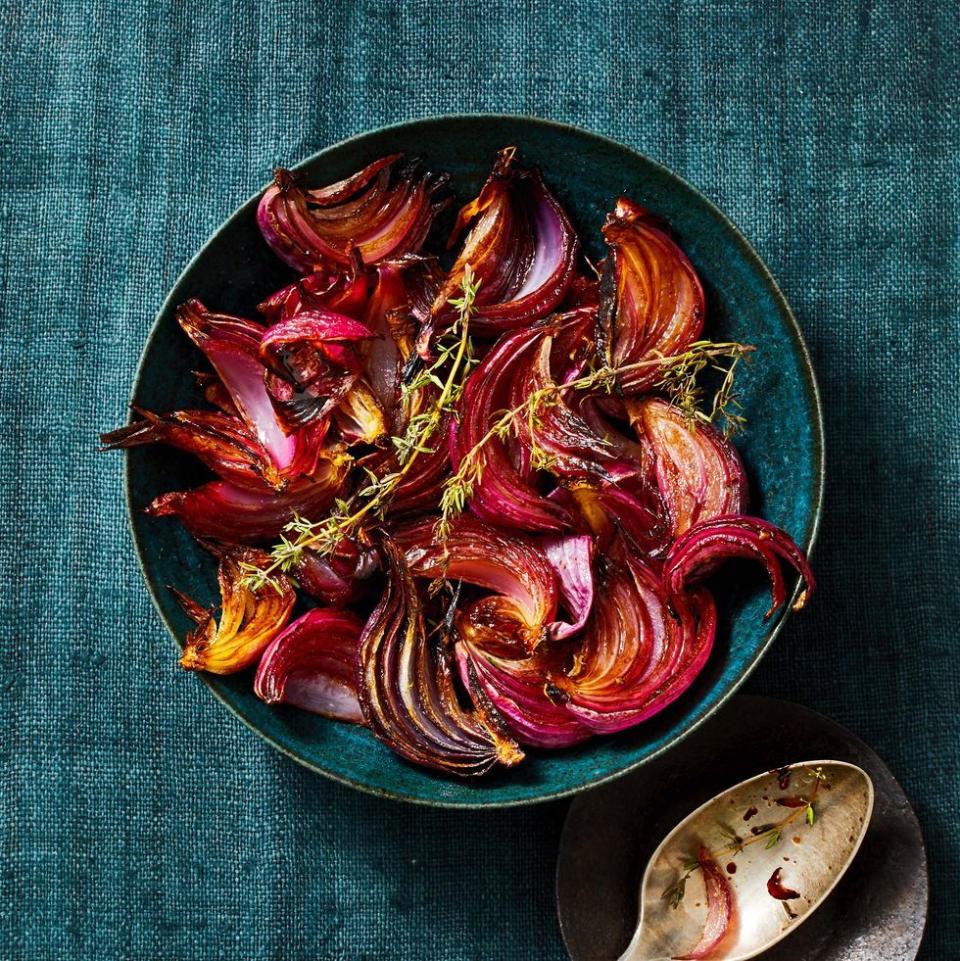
x=810, y=536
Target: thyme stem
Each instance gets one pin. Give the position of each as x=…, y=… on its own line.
x=459, y=488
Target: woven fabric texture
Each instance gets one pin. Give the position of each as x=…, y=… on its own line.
x=138, y=819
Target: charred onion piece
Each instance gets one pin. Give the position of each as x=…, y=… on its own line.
x=360, y=416
x=704, y=546
x=313, y=363
x=384, y=211
x=407, y=693
x=249, y=620
x=521, y=246
x=657, y=305
x=520, y=612
x=232, y=344
x=312, y=664
x=636, y=658
x=225, y=512
x=221, y=442
x=720, y=908
x=698, y=471
x=572, y=561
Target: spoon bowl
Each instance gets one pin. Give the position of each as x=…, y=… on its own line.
x=779, y=841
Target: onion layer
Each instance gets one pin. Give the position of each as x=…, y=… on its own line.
x=572, y=561
x=338, y=578
x=343, y=293
x=720, y=908
x=312, y=664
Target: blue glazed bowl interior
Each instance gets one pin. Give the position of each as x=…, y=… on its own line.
x=782, y=445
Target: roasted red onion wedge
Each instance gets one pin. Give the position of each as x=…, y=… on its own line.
x=658, y=305
x=222, y=443
x=407, y=693
x=501, y=495
x=225, y=512
x=384, y=211
x=312, y=664
x=249, y=620
x=519, y=615
x=720, y=908
x=636, y=658
x=521, y=247
x=517, y=688
x=698, y=471
x=704, y=546
x=231, y=344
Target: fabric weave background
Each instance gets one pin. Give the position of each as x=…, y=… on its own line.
x=139, y=819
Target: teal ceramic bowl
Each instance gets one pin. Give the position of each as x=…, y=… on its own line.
x=782, y=446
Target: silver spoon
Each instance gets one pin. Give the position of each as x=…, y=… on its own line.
x=807, y=820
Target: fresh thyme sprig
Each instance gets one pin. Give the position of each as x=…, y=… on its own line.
x=678, y=379
x=454, y=357
x=770, y=833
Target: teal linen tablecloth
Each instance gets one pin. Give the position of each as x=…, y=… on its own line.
x=139, y=819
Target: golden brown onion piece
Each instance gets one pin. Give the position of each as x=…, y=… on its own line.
x=249, y=620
